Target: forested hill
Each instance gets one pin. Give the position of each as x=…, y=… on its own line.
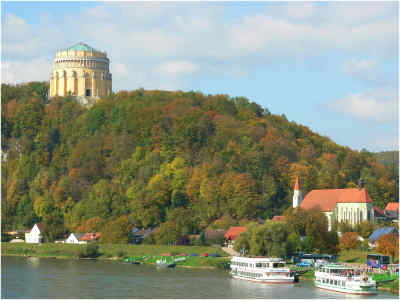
x=157, y=156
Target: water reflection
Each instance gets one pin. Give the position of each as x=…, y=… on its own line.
x=53, y=278
x=33, y=261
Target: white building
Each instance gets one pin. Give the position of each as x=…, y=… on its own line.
x=35, y=235
x=341, y=205
x=76, y=238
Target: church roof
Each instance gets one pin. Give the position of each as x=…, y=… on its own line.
x=326, y=199
x=81, y=47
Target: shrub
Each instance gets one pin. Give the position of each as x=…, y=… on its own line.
x=91, y=251
x=348, y=240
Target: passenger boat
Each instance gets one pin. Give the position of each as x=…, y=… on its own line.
x=262, y=270
x=163, y=263
x=344, y=279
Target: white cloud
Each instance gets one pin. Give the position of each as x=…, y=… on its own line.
x=359, y=66
x=364, y=69
x=176, y=68
x=190, y=38
x=24, y=71
x=377, y=105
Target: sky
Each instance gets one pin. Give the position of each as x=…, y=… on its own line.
x=331, y=66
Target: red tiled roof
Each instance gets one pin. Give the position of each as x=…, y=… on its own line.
x=234, y=232
x=40, y=226
x=378, y=210
x=90, y=236
x=279, y=218
x=297, y=184
x=326, y=199
x=392, y=206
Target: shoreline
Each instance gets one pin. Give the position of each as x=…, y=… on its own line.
x=105, y=259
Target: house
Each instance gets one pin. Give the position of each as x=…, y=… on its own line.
x=139, y=235
x=76, y=238
x=34, y=235
x=352, y=205
x=392, y=210
x=90, y=237
x=279, y=218
x=379, y=215
x=214, y=234
x=378, y=233
x=232, y=234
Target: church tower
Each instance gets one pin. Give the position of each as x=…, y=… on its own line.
x=297, y=197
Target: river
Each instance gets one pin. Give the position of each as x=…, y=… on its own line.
x=58, y=278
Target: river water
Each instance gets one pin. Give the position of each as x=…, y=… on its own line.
x=58, y=278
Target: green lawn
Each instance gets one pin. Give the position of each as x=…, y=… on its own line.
x=353, y=256
x=118, y=251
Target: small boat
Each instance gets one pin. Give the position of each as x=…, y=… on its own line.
x=344, y=279
x=163, y=263
x=262, y=270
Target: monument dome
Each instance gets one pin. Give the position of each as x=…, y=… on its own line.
x=81, y=71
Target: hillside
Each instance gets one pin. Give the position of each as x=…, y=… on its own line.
x=155, y=156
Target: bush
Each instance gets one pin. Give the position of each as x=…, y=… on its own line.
x=348, y=240
x=91, y=251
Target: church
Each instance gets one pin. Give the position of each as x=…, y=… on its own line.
x=80, y=71
x=352, y=205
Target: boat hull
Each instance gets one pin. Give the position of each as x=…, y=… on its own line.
x=287, y=280
x=366, y=291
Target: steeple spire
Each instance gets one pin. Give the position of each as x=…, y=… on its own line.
x=297, y=184
x=297, y=196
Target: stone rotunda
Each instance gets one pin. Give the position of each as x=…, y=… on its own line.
x=81, y=71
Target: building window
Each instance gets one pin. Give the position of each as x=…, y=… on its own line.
x=88, y=93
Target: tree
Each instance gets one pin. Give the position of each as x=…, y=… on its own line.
x=53, y=227
x=91, y=225
x=116, y=232
x=388, y=244
x=269, y=239
x=348, y=240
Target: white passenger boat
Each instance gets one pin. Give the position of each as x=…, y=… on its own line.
x=340, y=278
x=261, y=269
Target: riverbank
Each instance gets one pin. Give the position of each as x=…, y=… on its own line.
x=120, y=252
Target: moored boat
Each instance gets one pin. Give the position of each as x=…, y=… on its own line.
x=262, y=270
x=163, y=263
x=344, y=279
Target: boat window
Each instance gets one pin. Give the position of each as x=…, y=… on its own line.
x=258, y=265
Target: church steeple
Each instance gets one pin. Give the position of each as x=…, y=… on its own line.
x=297, y=196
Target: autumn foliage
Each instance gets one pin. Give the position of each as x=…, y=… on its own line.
x=388, y=244
x=348, y=240
x=153, y=155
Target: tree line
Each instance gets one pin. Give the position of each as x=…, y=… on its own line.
x=181, y=161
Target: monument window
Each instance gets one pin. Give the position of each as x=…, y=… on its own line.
x=88, y=93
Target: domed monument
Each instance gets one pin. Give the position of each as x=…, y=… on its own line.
x=81, y=71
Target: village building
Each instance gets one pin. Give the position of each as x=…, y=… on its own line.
x=353, y=205
x=81, y=71
x=91, y=237
x=232, y=234
x=392, y=211
x=34, y=236
x=76, y=238
x=373, y=238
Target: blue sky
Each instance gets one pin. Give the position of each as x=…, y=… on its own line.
x=331, y=66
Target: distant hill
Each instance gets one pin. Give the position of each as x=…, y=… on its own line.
x=154, y=156
x=387, y=157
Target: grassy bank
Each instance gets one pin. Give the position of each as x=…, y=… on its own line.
x=353, y=256
x=117, y=251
